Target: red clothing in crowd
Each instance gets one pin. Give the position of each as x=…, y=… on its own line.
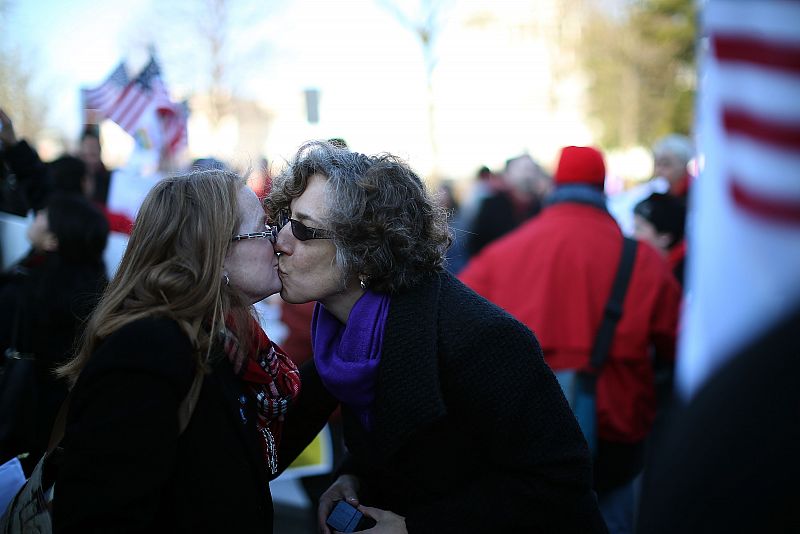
x=297, y=318
x=117, y=222
x=554, y=274
x=681, y=188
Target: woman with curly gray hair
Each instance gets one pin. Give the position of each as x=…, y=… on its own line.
x=452, y=421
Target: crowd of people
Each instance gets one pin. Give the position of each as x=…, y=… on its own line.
x=440, y=331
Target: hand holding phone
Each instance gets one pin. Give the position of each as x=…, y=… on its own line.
x=345, y=518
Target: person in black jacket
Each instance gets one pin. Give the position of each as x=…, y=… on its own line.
x=98, y=178
x=24, y=181
x=452, y=420
x=177, y=311
x=44, y=300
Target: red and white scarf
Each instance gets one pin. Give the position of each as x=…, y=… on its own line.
x=272, y=380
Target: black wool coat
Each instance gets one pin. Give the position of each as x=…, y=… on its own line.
x=126, y=469
x=471, y=430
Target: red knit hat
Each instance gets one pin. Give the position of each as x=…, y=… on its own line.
x=580, y=164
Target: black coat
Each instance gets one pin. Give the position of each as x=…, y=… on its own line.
x=43, y=303
x=24, y=180
x=126, y=469
x=727, y=461
x=471, y=430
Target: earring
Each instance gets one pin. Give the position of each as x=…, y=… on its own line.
x=363, y=279
x=227, y=280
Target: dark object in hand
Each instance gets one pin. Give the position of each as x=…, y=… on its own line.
x=345, y=518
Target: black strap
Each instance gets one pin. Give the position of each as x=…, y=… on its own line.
x=613, y=311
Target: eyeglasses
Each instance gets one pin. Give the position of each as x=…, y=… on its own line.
x=271, y=234
x=300, y=230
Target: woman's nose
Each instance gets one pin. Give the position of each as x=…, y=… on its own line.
x=282, y=243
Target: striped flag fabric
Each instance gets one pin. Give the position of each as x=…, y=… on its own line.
x=139, y=96
x=103, y=97
x=142, y=107
x=743, y=274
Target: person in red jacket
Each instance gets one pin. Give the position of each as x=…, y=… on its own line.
x=554, y=274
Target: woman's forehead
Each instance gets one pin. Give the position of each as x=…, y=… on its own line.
x=249, y=205
x=312, y=204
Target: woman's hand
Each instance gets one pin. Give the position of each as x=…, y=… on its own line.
x=387, y=522
x=344, y=489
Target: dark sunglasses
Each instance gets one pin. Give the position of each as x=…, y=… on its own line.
x=300, y=230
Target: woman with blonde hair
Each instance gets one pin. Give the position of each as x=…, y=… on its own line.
x=176, y=317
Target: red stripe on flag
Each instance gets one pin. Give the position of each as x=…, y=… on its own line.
x=132, y=117
x=123, y=103
x=128, y=108
x=737, y=121
x=775, y=209
x=782, y=56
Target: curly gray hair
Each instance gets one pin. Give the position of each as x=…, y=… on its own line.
x=384, y=224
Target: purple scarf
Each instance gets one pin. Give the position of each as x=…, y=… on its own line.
x=347, y=355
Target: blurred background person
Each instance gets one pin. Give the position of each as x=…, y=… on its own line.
x=24, y=182
x=98, y=178
x=660, y=220
x=671, y=157
x=44, y=301
x=505, y=201
x=555, y=274
x=456, y=254
x=70, y=174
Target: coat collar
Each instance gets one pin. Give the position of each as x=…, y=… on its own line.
x=408, y=390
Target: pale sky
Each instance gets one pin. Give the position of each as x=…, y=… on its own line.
x=490, y=88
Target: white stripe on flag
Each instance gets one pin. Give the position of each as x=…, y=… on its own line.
x=749, y=17
x=762, y=166
x=124, y=108
x=770, y=93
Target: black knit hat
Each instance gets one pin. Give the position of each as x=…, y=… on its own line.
x=665, y=212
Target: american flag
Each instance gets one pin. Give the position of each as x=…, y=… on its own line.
x=103, y=97
x=744, y=233
x=132, y=103
x=142, y=93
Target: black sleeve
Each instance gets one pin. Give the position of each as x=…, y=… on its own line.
x=307, y=416
x=122, y=432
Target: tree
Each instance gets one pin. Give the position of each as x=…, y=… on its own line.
x=641, y=69
x=17, y=97
x=426, y=25
x=206, y=45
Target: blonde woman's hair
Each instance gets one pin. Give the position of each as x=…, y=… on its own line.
x=173, y=265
